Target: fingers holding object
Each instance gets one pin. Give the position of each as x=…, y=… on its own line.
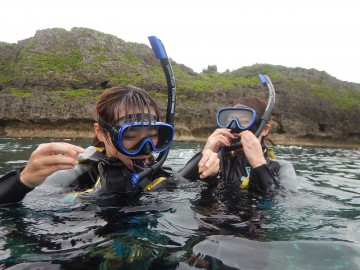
x=209, y=164
x=59, y=148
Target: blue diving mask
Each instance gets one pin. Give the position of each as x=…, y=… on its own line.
x=237, y=118
x=154, y=136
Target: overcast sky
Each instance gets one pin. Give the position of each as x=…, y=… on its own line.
x=320, y=34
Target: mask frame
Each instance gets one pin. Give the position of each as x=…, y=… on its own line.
x=235, y=123
x=146, y=145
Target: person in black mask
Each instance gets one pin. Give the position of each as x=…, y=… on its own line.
x=128, y=135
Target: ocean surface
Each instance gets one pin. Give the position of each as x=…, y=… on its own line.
x=193, y=227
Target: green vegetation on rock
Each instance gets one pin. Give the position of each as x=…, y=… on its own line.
x=57, y=63
x=18, y=92
x=59, y=69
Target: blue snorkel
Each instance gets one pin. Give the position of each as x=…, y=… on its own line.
x=160, y=53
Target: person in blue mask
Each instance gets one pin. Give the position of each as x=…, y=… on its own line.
x=245, y=160
x=128, y=135
x=250, y=166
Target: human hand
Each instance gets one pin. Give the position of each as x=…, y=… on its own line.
x=47, y=159
x=252, y=149
x=209, y=164
x=218, y=138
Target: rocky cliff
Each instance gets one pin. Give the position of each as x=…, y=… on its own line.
x=50, y=82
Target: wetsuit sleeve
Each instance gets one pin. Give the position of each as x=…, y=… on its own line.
x=191, y=169
x=287, y=175
x=12, y=190
x=65, y=178
x=265, y=179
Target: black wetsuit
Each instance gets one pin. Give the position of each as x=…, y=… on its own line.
x=235, y=168
x=262, y=180
x=108, y=175
x=12, y=190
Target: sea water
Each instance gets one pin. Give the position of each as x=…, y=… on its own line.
x=193, y=227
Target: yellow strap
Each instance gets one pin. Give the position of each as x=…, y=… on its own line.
x=271, y=153
x=155, y=182
x=85, y=191
x=100, y=149
x=244, y=184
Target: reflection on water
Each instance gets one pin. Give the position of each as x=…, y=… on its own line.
x=194, y=227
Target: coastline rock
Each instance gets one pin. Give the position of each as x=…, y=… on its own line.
x=49, y=84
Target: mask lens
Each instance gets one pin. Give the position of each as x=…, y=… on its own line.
x=165, y=137
x=148, y=137
x=236, y=118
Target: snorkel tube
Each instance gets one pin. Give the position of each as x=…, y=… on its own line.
x=265, y=80
x=160, y=53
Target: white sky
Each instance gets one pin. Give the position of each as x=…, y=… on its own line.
x=320, y=34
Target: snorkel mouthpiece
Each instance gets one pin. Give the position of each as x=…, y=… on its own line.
x=139, y=163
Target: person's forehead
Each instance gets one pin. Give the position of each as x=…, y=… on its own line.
x=238, y=110
x=140, y=128
x=239, y=105
x=120, y=112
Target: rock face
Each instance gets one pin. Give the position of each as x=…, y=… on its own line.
x=49, y=84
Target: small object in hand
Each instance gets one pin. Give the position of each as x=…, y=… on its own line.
x=202, y=168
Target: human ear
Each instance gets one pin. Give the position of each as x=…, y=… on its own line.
x=266, y=130
x=99, y=133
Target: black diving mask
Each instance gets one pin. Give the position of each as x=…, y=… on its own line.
x=155, y=136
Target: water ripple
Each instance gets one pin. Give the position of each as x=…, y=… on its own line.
x=316, y=227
